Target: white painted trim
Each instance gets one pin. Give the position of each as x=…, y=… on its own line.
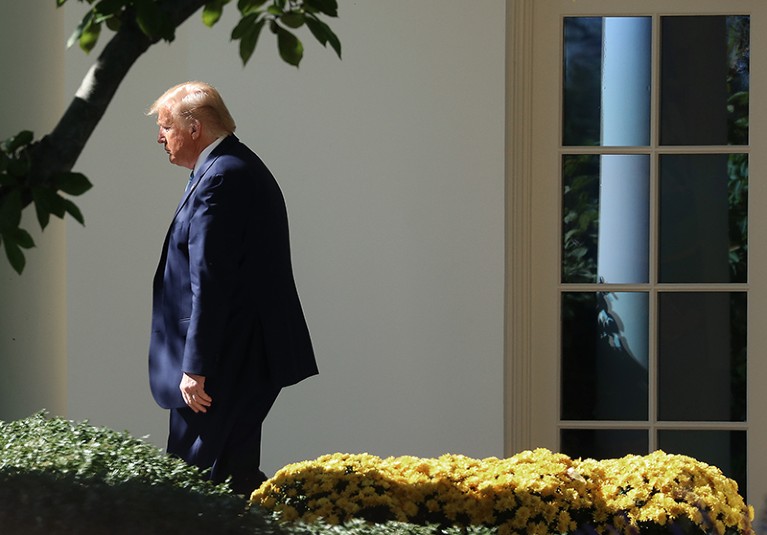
x=518, y=415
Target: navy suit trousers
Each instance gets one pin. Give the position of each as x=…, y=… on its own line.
x=226, y=439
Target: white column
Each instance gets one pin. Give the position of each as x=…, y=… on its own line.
x=626, y=68
x=624, y=196
x=33, y=352
x=624, y=181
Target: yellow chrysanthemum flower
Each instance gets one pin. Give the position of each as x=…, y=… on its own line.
x=532, y=492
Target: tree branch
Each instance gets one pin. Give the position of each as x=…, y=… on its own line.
x=59, y=151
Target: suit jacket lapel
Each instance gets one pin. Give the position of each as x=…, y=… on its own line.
x=195, y=182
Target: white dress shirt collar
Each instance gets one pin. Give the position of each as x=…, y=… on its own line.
x=205, y=153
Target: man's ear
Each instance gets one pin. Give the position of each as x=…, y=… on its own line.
x=194, y=128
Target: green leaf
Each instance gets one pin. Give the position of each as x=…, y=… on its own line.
x=114, y=23
x=167, y=29
x=211, y=12
x=14, y=239
x=14, y=143
x=243, y=26
x=19, y=167
x=87, y=33
x=292, y=19
x=329, y=7
x=106, y=9
x=75, y=37
x=246, y=7
x=10, y=210
x=149, y=17
x=90, y=35
x=14, y=254
x=74, y=211
x=60, y=3
x=291, y=49
x=72, y=183
x=58, y=205
x=47, y=201
x=43, y=216
x=317, y=27
x=41, y=198
x=23, y=238
x=249, y=40
x=334, y=42
x=323, y=33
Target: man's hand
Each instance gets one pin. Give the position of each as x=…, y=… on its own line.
x=193, y=391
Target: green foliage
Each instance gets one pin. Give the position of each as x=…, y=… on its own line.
x=580, y=218
x=282, y=16
x=737, y=197
x=212, y=11
x=147, y=15
x=14, y=164
x=16, y=186
x=60, y=477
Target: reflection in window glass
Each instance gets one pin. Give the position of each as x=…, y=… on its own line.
x=724, y=449
x=704, y=80
x=699, y=234
x=607, y=66
x=703, y=218
x=702, y=356
x=582, y=80
x=580, y=218
x=603, y=443
x=605, y=218
x=604, y=356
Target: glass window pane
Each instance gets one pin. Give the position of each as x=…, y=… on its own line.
x=605, y=218
x=703, y=218
x=607, y=66
x=702, y=356
x=580, y=218
x=724, y=449
x=582, y=80
x=704, y=80
x=604, y=356
x=603, y=443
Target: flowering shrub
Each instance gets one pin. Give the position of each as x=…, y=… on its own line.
x=535, y=492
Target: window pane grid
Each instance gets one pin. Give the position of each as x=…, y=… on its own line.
x=655, y=287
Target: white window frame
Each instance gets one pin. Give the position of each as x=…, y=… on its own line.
x=532, y=276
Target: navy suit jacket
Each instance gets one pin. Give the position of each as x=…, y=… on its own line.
x=224, y=301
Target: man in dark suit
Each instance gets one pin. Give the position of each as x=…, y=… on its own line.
x=228, y=331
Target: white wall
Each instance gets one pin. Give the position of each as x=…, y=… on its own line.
x=392, y=165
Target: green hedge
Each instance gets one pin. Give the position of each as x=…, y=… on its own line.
x=59, y=477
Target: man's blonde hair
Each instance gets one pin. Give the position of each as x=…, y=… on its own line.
x=196, y=100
